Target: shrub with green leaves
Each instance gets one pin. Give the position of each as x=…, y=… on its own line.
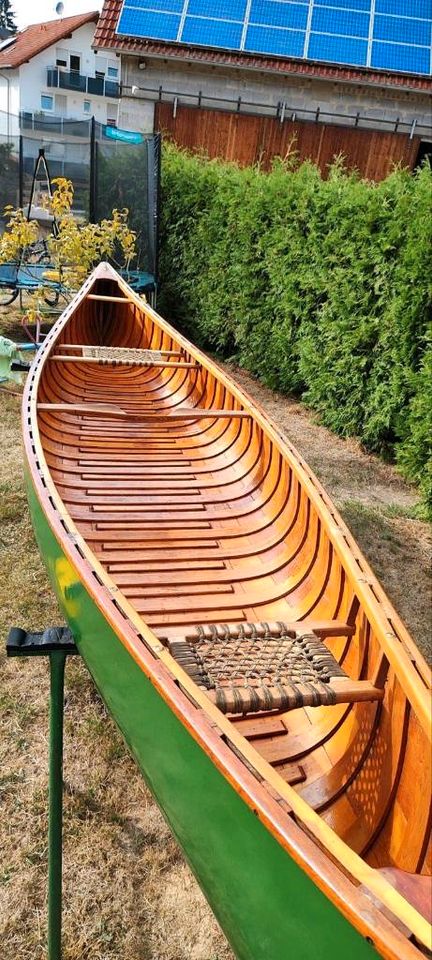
x=322, y=288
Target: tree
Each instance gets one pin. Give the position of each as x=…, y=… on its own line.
x=7, y=21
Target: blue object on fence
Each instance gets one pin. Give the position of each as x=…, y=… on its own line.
x=125, y=136
x=139, y=281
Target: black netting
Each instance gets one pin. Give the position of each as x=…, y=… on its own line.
x=127, y=176
x=105, y=173
x=9, y=173
x=65, y=158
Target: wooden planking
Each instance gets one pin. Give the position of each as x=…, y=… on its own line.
x=252, y=139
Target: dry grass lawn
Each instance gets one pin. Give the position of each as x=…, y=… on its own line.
x=128, y=892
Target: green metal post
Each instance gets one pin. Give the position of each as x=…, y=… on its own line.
x=57, y=643
x=57, y=667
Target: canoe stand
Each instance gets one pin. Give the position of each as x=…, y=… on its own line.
x=56, y=643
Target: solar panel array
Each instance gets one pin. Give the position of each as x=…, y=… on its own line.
x=383, y=34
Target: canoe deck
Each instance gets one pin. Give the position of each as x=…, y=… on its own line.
x=195, y=513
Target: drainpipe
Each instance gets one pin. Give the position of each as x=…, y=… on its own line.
x=4, y=77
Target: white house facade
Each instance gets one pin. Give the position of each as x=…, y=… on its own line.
x=50, y=73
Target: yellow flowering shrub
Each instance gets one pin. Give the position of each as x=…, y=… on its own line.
x=74, y=248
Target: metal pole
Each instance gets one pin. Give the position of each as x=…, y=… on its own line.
x=57, y=667
x=93, y=175
x=21, y=172
x=8, y=114
x=57, y=643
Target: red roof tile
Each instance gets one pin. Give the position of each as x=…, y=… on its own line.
x=39, y=36
x=106, y=37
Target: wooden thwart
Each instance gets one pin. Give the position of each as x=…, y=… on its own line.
x=185, y=365
x=107, y=299
x=110, y=410
x=87, y=346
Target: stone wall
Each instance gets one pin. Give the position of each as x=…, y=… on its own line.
x=337, y=101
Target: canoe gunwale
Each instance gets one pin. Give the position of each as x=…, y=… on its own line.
x=248, y=773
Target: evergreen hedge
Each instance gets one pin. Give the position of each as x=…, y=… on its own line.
x=322, y=288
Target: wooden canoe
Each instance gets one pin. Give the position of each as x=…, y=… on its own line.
x=270, y=694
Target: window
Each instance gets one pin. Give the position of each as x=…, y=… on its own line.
x=61, y=57
x=47, y=103
x=87, y=106
x=75, y=63
x=111, y=114
x=61, y=104
x=113, y=72
x=100, y=67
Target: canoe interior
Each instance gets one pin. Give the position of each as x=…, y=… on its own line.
x=206, y=521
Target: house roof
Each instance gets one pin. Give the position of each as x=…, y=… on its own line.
x=106, y=37
x=37, y=37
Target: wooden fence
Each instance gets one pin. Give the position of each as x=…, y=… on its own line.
x=251, y=139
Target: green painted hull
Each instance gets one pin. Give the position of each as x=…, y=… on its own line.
x=267, y=906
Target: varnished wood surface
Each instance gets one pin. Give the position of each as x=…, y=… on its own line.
x=212, y=519
x=252, y=139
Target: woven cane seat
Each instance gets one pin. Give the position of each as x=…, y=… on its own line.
x=246, y=668
x=123, y=354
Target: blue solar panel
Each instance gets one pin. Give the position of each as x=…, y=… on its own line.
x=342, y=22
x=144, y=23
x=333, y=49
x=402, y=31
x=153, y=6
x=405, y=8
x=212, y=33
x=353, y=4
x=271, y=14
x=222, y=10
x=383, y=34
x=288, y=43
x=392, y=56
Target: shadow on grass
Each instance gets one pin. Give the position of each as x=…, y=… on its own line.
x=392, y=541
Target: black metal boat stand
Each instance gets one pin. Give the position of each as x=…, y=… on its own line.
x=57, y=643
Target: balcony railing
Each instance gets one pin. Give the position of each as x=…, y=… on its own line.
x=72, y=80
x=50, y=125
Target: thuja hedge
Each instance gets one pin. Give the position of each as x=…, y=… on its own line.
x=320, y=287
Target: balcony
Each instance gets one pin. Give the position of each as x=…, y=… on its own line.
x=72, y=80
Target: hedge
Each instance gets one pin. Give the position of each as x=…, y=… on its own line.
x=322, y=288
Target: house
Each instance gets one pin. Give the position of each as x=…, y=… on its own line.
x=50, y=74
x=221, y=82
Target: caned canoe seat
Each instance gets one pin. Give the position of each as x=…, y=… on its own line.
x=123, y=355
x=252, y=667
x=126, y=354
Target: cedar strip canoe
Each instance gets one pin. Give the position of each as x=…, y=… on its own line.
x=271, y=696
